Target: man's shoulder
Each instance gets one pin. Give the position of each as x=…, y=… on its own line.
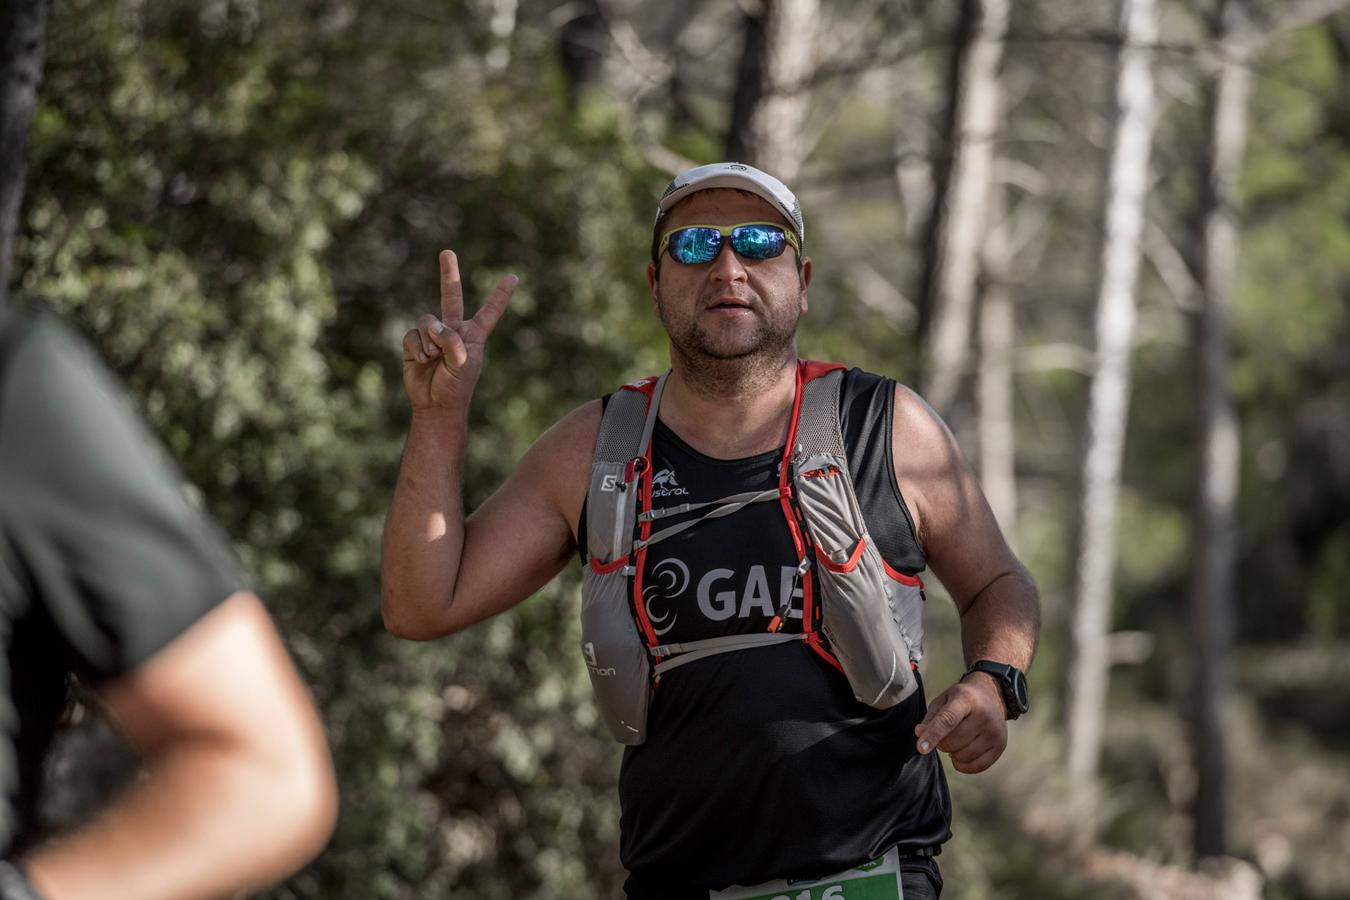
x=54, y=390
x=876, y=407
x=869, y=395
x=29, y=337
x=561, y=458
x=575, y=434
x=854, y=379
x=859, y=379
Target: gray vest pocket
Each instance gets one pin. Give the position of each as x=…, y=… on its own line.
x=616, y=657
x=615, y=654
x=856, y=611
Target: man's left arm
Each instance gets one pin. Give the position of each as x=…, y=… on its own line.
x=993, y=592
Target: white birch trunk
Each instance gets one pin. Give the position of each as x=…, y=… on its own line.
x=994, y=379
x=769, y=121
x=1087, y=666
x=960, y=216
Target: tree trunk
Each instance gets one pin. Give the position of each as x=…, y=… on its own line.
x=913, y=180
x=22, y=23
x=1213, y=530
x=583, y=46
x=994, y=380
x=1212, y=548
x=768, y=116
x=1087, y=666
x=957, y=224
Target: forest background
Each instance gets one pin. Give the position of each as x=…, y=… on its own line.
x=1110, y=241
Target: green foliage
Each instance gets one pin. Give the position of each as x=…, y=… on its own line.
x=1291, y=375
x=244, y=215
x=242, y=205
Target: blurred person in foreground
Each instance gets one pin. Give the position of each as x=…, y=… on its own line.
x=109, y=575
x=755, y=759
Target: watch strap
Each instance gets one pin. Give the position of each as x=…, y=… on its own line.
x=1003, y=675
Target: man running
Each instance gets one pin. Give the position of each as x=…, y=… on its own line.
x=752, y=766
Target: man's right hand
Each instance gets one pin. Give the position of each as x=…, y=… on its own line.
x=442, y=358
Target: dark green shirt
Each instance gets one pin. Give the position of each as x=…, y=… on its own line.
x=102, y=560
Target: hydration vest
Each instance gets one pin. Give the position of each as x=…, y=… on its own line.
x=858, y=614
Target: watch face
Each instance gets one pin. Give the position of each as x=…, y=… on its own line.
x=1019, y=683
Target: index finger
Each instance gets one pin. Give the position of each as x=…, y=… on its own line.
x=452, y=290
x=942, y=718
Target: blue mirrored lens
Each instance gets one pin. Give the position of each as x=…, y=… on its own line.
x=758, y=241
x=695, y=245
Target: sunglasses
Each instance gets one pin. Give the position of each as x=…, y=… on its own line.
x=695, y=244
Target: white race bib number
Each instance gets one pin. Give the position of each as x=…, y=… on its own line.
x=876, y=880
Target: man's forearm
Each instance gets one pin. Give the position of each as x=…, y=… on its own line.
x=206, y=822
x=424, y=532
x=1003, y=621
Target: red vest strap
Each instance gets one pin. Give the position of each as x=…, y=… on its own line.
x=810, y=369
x=642, y=386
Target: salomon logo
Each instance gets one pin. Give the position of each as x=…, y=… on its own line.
x=665, y=485
x=609, y=483
x=593, y=664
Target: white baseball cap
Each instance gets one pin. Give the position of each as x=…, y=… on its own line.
x=741, y=177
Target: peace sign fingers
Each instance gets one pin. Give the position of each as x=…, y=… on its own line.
x=443, y=357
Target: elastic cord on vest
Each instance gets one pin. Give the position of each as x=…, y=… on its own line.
x=870, y=622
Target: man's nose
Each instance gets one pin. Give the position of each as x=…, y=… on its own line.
x=727, y=266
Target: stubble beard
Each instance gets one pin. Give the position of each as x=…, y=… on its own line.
x=729, y=364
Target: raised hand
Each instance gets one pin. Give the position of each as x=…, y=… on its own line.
x=442, y=358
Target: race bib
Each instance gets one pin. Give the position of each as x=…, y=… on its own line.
x=875, y=880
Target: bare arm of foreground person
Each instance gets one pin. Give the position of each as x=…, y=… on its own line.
x=439, y=572
x=107, y=572
x=994, y=594
x=239, y=791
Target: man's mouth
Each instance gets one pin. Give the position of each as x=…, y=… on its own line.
x=728, y=302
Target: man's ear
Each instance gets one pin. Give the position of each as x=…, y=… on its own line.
x=805, y=276
x=653, y=278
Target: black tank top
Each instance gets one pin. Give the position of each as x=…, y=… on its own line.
x=759, y=763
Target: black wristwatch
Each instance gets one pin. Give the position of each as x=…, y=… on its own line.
x=1012, y=684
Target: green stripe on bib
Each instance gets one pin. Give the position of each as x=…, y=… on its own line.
x=867, y=887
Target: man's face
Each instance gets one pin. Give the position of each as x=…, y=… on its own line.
x=731, y=307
